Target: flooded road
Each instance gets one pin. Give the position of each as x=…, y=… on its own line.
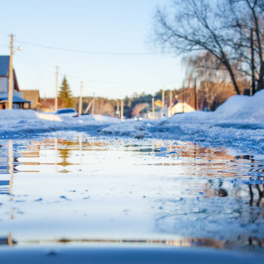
x=76, y=188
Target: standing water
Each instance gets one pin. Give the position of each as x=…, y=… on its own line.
x=80, y=189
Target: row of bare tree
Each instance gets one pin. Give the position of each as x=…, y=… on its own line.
x=221, y=40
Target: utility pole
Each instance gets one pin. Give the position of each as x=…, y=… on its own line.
x=93, y=106
x=10, y=88
x=80, y=101
x=252, y=61
x=195, y=94
x=57, y=84
x=170, y=103
x=117, y=109
x=163, y=98
x=153, y=107
x=122, y=110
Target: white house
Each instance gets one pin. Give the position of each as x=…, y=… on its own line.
x=178, y=108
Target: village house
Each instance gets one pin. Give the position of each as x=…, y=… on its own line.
x=178, y=107
x=34, y=97
x=18, y=101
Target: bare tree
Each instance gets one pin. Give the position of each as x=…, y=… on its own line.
x=219, y=27
x=211, y=74
x=247, y=20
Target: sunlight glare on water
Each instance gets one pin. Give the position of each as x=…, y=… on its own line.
x=107, y=189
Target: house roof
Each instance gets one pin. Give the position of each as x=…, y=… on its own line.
x=33, y=96
x=4, y=65
x=15, y=100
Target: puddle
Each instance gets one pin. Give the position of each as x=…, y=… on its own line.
x=81, y=189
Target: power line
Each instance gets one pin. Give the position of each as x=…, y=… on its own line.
x=109, y=82
x=89, y=52
x=38, y=68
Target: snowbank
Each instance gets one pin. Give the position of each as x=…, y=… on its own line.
x=100, y=119
x=25, y=121
x=238, y=108
x=8, y=115
x=231, y=106
x=252, y=110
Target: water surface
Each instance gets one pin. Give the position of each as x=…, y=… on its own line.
x=76, y=188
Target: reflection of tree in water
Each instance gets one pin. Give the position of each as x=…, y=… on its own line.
x=64, y=152
x=230, y=211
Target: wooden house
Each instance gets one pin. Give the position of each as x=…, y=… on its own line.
x=34, y=97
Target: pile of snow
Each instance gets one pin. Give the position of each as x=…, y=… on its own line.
x=231, y=106
x=99, y=118
x=252, y=110
x=238, y=108
x=192, y=117
x=131, y=129
x=8, y=115
x=48, y=116
x=24, y=121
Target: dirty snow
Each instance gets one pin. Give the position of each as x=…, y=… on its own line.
x=238, y=123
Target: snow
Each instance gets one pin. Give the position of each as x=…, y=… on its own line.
x=25, y=121
x=239, y=123
x=100, y=119
x=133, y=129
x=232, y=105
x=238, y=108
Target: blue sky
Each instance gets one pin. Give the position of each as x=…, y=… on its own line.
x=92, y=25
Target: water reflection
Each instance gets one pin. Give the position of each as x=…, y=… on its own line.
x=207, y=197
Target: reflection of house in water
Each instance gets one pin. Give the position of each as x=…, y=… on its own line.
x=7, y=241
x=7, y=169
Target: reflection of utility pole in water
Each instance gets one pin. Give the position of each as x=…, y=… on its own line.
x=80, y=148
x=10, y=166
x=56, y=154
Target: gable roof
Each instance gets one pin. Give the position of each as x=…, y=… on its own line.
x=4, y=65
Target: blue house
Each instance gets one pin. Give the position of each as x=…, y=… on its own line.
x=18, y=101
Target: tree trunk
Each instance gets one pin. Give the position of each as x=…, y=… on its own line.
x=232, y=77
x=260, y=80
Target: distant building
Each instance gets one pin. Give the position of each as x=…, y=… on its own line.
x=148, y=114
x=178, y=108
x=48, y=104
x=18, y=101
x=34, y=97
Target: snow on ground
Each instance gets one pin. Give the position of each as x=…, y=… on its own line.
x=132, y=129
x=236, y=109
x=100, y=119
x=238, y=123
x=30, y=121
